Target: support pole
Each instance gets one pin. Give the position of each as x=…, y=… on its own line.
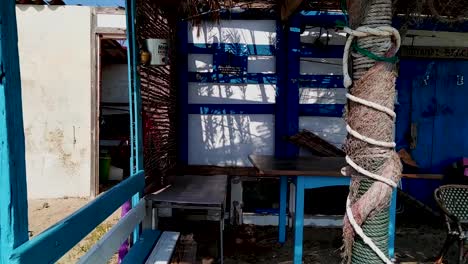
x=373, y=163
x=13, y=195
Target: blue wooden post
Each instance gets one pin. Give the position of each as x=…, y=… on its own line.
x=134, y=96
x=182, y=96
x=281, y=123
x=292, y=94
x=299, y=220
x=13, y=196
x=392, y=225
x=282, y=210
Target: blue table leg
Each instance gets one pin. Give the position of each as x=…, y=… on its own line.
x=299, y=220
x=391, y=228
x=282, y=209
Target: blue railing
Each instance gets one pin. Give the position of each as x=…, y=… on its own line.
x=53, y=243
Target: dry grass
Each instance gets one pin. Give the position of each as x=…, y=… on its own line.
x=44, y=213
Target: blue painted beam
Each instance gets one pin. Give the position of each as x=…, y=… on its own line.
x=330, y=51
x=231, y=109
x=331, y=110
x=252, y=78
x=293, y=40
x=281, y=108
x=182, y=96
x=142, y=248
x=232, y=48
x=13, y=195
x=321, y=81
x=134, y=90
x=328, y=20
x=53, y=243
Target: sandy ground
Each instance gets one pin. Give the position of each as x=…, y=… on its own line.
x=43, y=213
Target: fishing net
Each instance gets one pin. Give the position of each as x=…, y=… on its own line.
x=369, y=147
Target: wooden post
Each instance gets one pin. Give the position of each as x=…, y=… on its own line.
x=13, y=196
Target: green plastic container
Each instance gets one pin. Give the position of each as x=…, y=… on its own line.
x=104, y=168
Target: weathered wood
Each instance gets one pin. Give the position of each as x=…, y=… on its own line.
x=142, y=248
x=50, y=245
x=117, y=32
x=95, y=99
x=312, y=166
x=216, y=170
x=186, y=251
x=103, y=250
x=435, y=52
x=164, y=248
x=323, y=166
x=194, y=189
x=13, y=196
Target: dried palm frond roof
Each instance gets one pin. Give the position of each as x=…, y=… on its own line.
x=443, y=10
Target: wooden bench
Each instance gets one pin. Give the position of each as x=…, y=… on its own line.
x=152, y=247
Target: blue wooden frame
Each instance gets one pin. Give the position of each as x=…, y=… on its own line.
x=13, y=195
x=53, y=243
x=134, y=96
x=329, y=19
x=182, y=95
x=50, y=245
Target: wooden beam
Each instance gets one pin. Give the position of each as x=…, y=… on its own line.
x=162, y=252
x=51, y=244
x=13, y=195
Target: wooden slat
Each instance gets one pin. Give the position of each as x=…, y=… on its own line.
x=50, y=245
x=163, y=250
x=13, y=196
x=103, y=250
x=142, y=248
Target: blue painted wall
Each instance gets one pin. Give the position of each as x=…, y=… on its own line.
x=432, y=98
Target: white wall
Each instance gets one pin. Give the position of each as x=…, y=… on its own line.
x=229, y=139
x=55, y=61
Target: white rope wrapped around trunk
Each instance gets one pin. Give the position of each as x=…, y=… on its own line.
x=365, y=31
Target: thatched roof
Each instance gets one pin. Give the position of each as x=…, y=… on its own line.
x=443, y=10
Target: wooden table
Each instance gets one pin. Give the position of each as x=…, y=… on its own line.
x=310, y=173
x=197, y=193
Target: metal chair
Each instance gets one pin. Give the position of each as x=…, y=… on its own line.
x=453, y=200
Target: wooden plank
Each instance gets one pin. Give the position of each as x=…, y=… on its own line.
x=103, y=250
x=194, y=189
x=163, y=250
x=323, y=166
x=435, y=52
x=312, y=166
x=142, y=248
x=64, y=235
x=210, y=170
x=13, y=196
x=186, y=250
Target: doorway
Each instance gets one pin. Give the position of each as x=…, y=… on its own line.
x=113, y=116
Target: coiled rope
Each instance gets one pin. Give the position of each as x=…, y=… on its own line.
x=365, y=62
